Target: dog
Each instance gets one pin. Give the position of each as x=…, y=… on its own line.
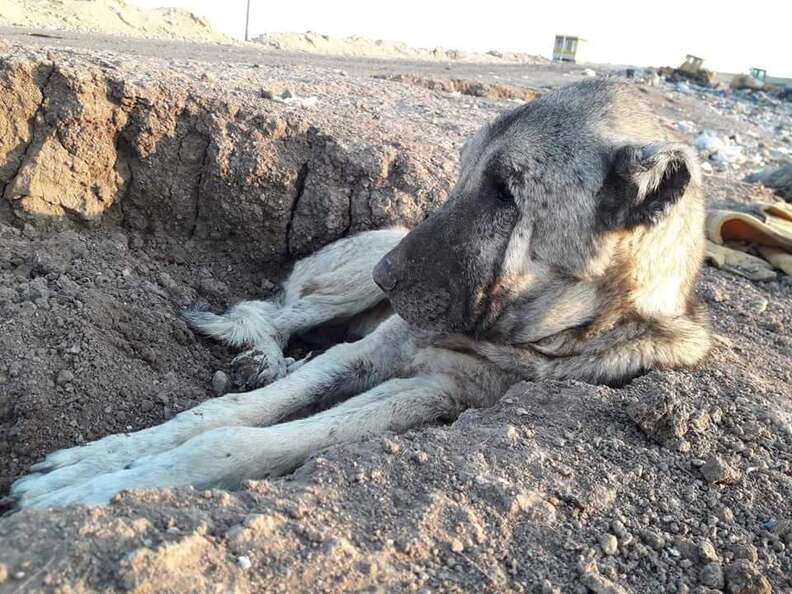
x=569, y=248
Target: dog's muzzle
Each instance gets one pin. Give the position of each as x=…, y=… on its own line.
x=384, y=275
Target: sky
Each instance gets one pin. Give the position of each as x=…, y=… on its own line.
x=730, y=36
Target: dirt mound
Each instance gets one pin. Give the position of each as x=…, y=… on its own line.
x=113, y=17
x=357, y=46
x=133, y=186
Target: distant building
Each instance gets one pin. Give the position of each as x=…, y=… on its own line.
x=569, y=49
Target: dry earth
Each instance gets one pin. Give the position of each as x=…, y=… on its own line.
x=133, y=185
x=114, y=17
x=357, y=46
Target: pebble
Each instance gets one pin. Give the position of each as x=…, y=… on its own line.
x=609, y=544
x=745, y=551
x=717, y=470
x=64, y=377
x=600, y=584
x=391, y=446
x=549, y=588
x=743, y=578
x=420, y=457
x=653, y=539
x=706, y=551
x=220, y=382
x=618, y=528
x=758, y=305
x=712, y=575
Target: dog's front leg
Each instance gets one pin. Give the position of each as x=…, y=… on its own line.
x=227, y=456
x=343, y=370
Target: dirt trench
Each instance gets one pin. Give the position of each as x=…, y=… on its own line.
x=126, y=198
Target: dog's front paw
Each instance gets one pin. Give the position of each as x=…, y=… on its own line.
x=71, y=466
x=254, y=368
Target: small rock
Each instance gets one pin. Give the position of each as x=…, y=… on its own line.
x=706, y=551
x=617, y=526
x=420, y=457
x=745, y=551
x=167, y=281
x=220, y=382
x=609, y=544
x=758, y=305
x=653, y=539
x=549, y=588
x=457, y=546
x=717, y=470
x=712, y=575
x=600, y=584
x=64, y=377
x=725, y=514
x=3, y=573
x=244, y=562
x=211, y=287
x=391, y=446
x=743, y=578
x=663, y=416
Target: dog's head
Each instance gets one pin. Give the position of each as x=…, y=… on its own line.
x=557, y=194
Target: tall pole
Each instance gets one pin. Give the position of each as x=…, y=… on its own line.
x=247, y=20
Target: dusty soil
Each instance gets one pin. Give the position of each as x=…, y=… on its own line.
x=132, y=186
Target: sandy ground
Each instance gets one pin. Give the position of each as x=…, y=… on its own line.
x=358, y=46
x=114, y=17
x=679, y=482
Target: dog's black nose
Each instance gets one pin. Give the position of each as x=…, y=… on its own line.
x=384, y=275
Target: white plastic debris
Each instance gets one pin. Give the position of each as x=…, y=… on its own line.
x=708, y=142
x=589, y=72
x=244, y=562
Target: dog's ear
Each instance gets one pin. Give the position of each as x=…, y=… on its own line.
x=644, y=182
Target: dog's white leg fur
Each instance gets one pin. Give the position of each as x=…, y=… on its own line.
x=225, y=457
x=333, y=283
x=345, y=369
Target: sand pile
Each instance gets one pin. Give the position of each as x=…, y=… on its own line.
x=363, y=47
x=113, y=17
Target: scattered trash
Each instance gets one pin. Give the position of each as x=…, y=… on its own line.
x=777, y=178
x=244, y=562
x=764, y=229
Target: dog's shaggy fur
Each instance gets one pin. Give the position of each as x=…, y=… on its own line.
x=569, y=248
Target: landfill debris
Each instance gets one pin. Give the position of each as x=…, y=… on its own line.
x=777, y=178
x=751, y=242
